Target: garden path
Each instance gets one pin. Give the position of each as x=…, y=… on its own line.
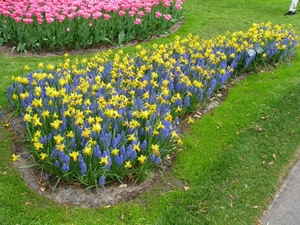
x=285, y=208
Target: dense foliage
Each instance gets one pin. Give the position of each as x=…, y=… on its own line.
x=61, y=24
x=96, y=120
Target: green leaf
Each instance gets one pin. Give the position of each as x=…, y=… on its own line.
x=108, y=40
x=121, y=37
x=21, y=47
x=28, y=166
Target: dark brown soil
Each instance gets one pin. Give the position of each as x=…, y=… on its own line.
x=76, y=194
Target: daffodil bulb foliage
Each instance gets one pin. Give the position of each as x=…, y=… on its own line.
x=100, y=119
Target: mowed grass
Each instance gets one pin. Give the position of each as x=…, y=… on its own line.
x=233, y=160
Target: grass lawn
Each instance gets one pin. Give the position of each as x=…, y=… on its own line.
x=234, y=159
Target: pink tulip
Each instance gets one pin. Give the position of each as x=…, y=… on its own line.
x=18, y=19
x=178, y=7
x=60, y=18
x=167, y=17
x=166, y=4
x=131, y=13
x=106, y=16
x=97, y=15
x=137, y=21
x=122, y=13
x=158, y=14
x=6, y=13
x=27, y=20
x=148, y=9
x=49, y=19
x=71, y=16
x=141, y=13
x=86, y=15
x=40, y=21
x=71, y=9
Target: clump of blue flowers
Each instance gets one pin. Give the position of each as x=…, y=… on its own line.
x=99, y=120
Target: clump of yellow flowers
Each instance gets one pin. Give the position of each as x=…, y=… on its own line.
x=95, y=120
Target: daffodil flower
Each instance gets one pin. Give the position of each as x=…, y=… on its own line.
x=128, y=165
x=190, y=120
x=15, y=157
x=74, y=155
x=104, y=160
x=142, y=159
x=43, y=156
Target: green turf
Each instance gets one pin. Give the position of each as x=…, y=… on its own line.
x=233, y=159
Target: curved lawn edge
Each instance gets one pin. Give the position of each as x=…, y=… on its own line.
x=28, y=207
x=223, y=188
x=236, y=167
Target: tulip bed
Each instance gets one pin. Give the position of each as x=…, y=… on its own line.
x=65, y=24
x=101, y=119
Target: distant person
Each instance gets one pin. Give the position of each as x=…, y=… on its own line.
x=293, y=7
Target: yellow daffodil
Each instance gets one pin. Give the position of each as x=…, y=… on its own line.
x=87, y=150
x=131, y=137
x=190, y=120
x=26, y=67
x=115, y=151
x=160, y=125
x=133, y=124
x=174, y=135
x=61, y=147
x=24, y=95
x=15, y=157
x=43, y=156
x=74, y=155
x=45, y=113
x=104, y=160
x=58, y=139
x=70, y=134
x=38, y=91
x=27, y=118
x=178, y=109
x=155, y=149
x=136, y=147
x=179, y=141
x=38, y=145
x=86, y=133
x=155, y=132
x=142, y=159
x=169, y=117
x=56, y=123
x=128, y=165
x=96, y=127
x=91, y=120
x=36, y=120
x=50, y=67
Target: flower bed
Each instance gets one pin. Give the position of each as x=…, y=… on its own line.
x=65, y=24
x=99, y=120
